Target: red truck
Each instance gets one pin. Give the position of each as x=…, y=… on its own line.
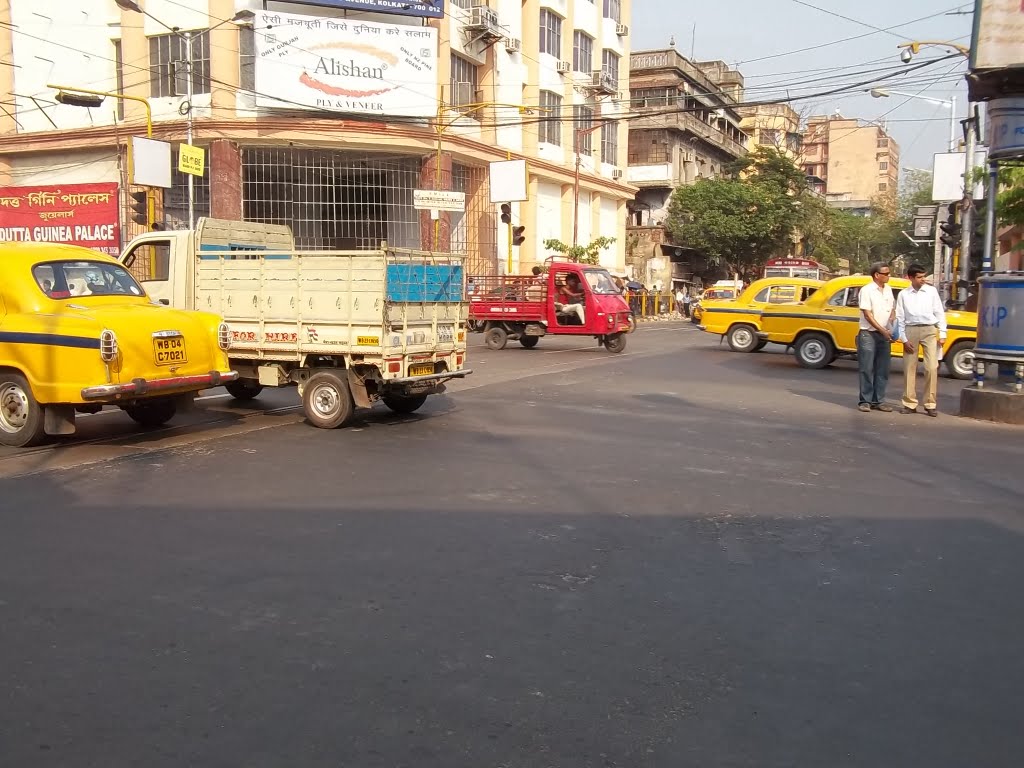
x=567, y=299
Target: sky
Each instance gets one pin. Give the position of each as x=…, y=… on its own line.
x=763, y=39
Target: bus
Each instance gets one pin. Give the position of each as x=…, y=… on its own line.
x=797, y=268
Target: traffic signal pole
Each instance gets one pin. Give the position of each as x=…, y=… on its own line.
x=967, y=207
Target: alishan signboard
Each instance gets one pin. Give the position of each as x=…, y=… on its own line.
x=345, y=65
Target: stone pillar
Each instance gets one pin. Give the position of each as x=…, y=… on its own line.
x=225, y=180
x=430, y=180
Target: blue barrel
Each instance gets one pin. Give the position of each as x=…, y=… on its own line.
x=1001, y=317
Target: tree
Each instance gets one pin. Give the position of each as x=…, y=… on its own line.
x=583, y=254
x=744, y=218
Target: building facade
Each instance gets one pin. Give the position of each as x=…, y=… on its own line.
x=686, y=127
x=854, y=164
x=328, y=118
x=773, y=125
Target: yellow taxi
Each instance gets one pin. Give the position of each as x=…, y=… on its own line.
x=826, y=325
x=739, y=319
x=77, y=333
x=714, y=293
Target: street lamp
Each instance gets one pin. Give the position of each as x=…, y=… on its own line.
x=910, y=50
x=239, y=17
x=880, y=93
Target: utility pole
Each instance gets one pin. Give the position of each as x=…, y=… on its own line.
x=967, y=204
x=188, y=129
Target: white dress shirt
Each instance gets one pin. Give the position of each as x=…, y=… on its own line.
x=920, y=307
x=877, y=301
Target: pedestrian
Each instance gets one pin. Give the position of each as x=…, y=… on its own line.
x=686, y=303
x=680, y=299
x=874, y=342
x=921, y=323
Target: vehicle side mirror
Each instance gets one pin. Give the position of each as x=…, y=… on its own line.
x=165, y=302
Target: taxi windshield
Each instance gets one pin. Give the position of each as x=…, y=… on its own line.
x=66, y=279
x=601, y=282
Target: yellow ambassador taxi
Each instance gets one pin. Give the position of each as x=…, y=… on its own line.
x=739, y=319
x=77, y=332
x=826, y=325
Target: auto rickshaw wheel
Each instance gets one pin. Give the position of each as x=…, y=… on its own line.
x=615, y=342
x=495, y=337
x=529, y=341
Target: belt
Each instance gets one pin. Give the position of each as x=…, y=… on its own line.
x=920, y=325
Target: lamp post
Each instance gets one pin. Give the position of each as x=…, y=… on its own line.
x=579, y=134
x=881, y=93
x=240, y=16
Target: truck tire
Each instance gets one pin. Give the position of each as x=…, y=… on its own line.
x=153, y=413
x=404, y=403
x=243, y=389
x=21, y=416
x=615, y=342
x=529, y=341
x=960, y=360
x=327, y=399
x=814, y=350
x=742, y=338
x=495, y=337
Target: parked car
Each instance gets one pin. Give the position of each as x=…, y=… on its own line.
x=738, y=320
x=78, y=333
x=826, y=325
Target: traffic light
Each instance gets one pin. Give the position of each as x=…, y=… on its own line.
x=140, y=208
x=518, y=238
x=951, y=228
x=977, y=254
x=506, y=213
x=87, y=100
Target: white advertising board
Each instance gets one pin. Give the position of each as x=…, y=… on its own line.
x=948, y=176
x=509, y=181
x=151, y=162
x=345, y=65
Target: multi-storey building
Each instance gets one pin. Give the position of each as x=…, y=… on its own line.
x=853, y=163
x=773, y=125
x=327, y=115
x=686, y=127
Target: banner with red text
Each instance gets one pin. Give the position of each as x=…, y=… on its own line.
x=78, y=214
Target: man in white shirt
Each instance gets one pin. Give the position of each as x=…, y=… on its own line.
x=874, y=342
x=922, y=325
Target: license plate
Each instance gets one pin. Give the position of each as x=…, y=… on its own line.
x=421, y=369
x=170, y=350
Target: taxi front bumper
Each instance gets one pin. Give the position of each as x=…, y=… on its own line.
x=141, y=387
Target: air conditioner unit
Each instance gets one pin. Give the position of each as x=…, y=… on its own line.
x=621, y=30
x=483, y=18
x=563, y=66
x=617, y=173
x=513, y=44
x=603, y=82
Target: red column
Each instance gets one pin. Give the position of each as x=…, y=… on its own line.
x=225, y=180
x=429, y=180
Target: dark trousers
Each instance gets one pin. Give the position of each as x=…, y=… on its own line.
x=874, y=355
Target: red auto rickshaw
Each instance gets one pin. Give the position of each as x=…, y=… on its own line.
x=567, y=299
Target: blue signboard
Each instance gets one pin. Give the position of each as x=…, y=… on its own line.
x=424, y=283
x=428, y=9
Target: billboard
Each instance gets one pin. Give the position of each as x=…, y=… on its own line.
x=427, y=9
x=998, y=34
x=75, y=214
x=358, y=67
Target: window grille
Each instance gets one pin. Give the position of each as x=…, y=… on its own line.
x=549, y=129
x=550, y=33
x=582, y=52
x=165, y=50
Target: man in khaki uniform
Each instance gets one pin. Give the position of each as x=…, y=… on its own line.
x=922, y=325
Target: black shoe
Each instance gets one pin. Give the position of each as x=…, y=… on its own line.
x=882, y=407
x=908, y=410
x=931, y=411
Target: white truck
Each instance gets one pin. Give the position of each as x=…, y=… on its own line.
x=347, y=327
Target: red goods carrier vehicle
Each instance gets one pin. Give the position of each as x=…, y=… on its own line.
x=568, y=299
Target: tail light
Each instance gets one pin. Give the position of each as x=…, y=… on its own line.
x=224, y=336
x=108, y=346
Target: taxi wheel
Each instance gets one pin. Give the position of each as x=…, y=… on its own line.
x=814, y=350
x=327, y=399
x=243, y=389
x=615, y=342
x=960, y=360
x=529, y=341
x=495, y=338
x=21, y=417
x=761, y=344
x=742, y=338
x=152, y=414
x=404, y=403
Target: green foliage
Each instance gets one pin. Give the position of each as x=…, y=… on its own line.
x=583, y=254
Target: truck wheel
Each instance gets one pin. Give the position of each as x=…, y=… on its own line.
x=21, y=417
x=742, y=338
x=243, y=389
x=960, y=360
x=404, y=403
x=815, y=350
x=495, y=337
x=327, y=399
x=615, y=342
x=529, y=341
x=153, y=413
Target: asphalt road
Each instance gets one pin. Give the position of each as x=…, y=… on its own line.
x=675, y=556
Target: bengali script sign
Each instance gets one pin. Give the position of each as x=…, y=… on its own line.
x=77, y=214
x=345, y=65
